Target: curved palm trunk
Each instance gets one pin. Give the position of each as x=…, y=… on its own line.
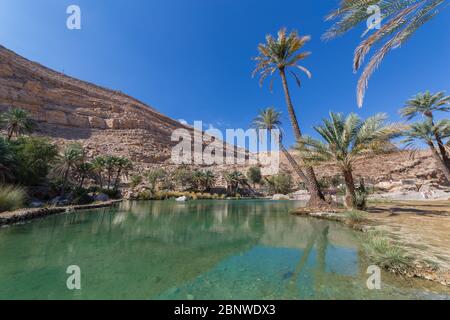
x=440, y=144
x=294, y=164
x=350, y=190
x=317, y=199
x=440, y=162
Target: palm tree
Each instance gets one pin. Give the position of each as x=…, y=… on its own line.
x=346, y=138
x=425, y=104
x=425, y=131
x=198, y=179
x=123, y=166
x=235, y=179
x=17, y=122
x=209, y=180
x=282, y=54
x=98, y=167
x=269, y=119
x=401, y=18
x=154, y=177
x=7, y=161
x=83, y=170
x=71, y=158
x=110, y=166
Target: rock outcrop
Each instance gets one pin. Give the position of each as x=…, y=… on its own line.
x=68, y=109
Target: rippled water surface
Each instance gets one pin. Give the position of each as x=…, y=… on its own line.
x=193, y=250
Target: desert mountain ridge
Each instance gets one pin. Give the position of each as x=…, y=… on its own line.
x=110, y=122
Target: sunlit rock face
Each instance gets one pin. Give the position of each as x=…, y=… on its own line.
x=68, y=109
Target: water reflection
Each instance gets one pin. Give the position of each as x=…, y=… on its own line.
x=200, y=250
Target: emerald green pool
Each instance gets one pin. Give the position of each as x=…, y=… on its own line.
x=194, y=250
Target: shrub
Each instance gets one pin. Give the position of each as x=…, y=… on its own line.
x=382, y=252
x=135, y=180
x=81, y=196
x=11, y=198
x=356, y=216
x=361, y=196
x=155, y=176
x=281, y=183
x=111, y=193
x=254, y=175
x=34, y=158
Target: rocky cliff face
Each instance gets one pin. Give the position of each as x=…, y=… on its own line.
x=110, y=122
x=70, y=109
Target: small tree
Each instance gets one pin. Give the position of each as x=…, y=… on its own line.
x=71, y=157
x=254, y=175
x=280, y=183
x=154, y=176
x=426, y=132
x=234, y=180
x=17, y=121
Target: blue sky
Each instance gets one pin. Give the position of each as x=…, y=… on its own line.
x=191, y=59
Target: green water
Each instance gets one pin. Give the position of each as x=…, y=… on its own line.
x=193, y=250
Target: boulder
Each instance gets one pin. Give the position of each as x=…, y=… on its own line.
x=181, y=199
x=101, y=197
x=97, y=123
x=280, y=197
x=56, y=117
x=60, y=201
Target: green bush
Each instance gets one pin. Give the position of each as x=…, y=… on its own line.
x=254, y=175
x=280, y=183
x=11, y=198
x=34, y=159
x=135, y=180
x=356, y=216
x=81, y=196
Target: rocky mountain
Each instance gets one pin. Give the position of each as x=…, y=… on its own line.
x=67, y=109
x=111, y=122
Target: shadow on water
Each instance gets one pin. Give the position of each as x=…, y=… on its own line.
x=193, y=250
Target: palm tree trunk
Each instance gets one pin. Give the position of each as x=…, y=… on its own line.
x=64, y=182
x=117, y=179
x=294, y=164
x=440, y=144
x=440, y=162
x=317, y=199
x=10, y=134
x=81, y=181
x=350, y=190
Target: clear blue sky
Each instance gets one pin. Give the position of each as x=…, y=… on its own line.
x=191, y=59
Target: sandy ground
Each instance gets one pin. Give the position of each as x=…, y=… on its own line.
x=421, y=227
x=413, y=195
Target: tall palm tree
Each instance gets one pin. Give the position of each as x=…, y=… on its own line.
x=282, y=54
x=71, y=158
x=424, y=131
x=17, y=122
x=346, y=138
x=426, y=104
x=270, y=119
x=401, y=19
